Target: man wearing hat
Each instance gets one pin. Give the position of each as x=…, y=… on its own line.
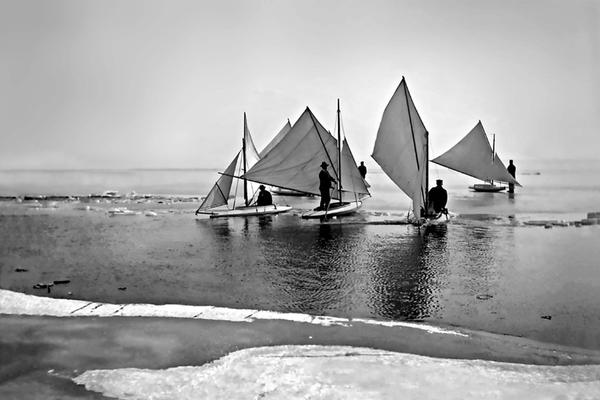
x=264, y=197
x=438, y=197
x=325, y=181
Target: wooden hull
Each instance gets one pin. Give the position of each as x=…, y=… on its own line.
x=249, y=211
x=335, y=209
x=486, y=187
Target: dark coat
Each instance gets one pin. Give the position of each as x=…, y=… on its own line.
x=325, y=180
x=512, y=169
x=264, y=198
x=438, y=197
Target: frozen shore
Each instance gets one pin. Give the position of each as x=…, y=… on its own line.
x=125, y=356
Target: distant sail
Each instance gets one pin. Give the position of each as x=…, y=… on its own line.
x=219, y=194
x=474, y=156
x=294, y=162
x=286, y=128
x=401, y=147
x=352, y=181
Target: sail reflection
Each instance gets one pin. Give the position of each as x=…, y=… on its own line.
x=405, y=271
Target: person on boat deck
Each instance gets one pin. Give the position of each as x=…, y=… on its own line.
x=264, y=197
x=362, y=169
x=438, y=197
x=325, y=181
x=511, y=170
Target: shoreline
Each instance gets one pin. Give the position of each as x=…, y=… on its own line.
x=46, y=355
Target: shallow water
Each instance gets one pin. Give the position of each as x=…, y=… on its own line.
x=484, y=270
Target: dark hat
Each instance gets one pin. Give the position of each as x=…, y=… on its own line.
x=439, y=181
x=324, y=164
x=261, y=187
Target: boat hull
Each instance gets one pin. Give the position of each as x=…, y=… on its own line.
x=486, y=187
x=335, y=209
x=249, y=211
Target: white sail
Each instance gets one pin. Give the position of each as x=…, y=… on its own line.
x=473, y=156
x=286, y=128
x=219, y=194
x=251, y=153
x=294, y=162
x=401, y=147
x=352, y=181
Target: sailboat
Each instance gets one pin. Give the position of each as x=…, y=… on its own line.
x=215, y=203
x=293, y=164
x=474, y=156
x=401, y=150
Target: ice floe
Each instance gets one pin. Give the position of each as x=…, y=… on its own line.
x=341, y=372
x=25, y=304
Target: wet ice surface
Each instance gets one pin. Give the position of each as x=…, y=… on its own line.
x=336, y=372
x=487, y=272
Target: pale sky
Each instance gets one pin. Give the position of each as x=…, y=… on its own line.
x=164, y=84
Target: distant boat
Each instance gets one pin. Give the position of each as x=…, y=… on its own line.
x=215, y=203
x=474, y=156
x=294, y=164
x=402, y=151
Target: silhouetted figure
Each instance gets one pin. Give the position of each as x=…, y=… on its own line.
x=362, y=169
x=325, y=181
x=438, y=197
x=513, y=171
x=264, y=197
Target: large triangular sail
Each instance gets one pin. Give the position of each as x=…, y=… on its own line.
x=293, y=163
x=401, y=147
x=219, y=194
x=474, y=156
x=280, y=135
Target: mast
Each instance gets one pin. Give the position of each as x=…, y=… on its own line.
x=339, y=151
x=493, y=150
x=426, y=172
x=412, y=131
x=244, y=162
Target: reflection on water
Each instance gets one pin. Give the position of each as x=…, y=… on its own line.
x=335, y=269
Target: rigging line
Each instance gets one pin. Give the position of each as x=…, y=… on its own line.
x=267, y=183
x=323, y=143
x=412, y=131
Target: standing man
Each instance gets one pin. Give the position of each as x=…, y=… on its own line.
x=325, y=181
x=438, y=197
x=513, y=171
x=362, y=169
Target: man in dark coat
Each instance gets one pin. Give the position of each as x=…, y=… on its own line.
x=362, y=169
x=264, y=197
x=513, y=171
x=325, y=181
x=438, y=197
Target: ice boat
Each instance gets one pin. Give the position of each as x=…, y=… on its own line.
x=402, y=151
x=294, y=164
x=474, y=156
x=216, y=202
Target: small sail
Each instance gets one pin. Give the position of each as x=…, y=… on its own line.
x=251, y=153
x=473, y=156
x=219, y=194
x=351, y=179
x=401, y=147
x=286, y=128
x=294, y=162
